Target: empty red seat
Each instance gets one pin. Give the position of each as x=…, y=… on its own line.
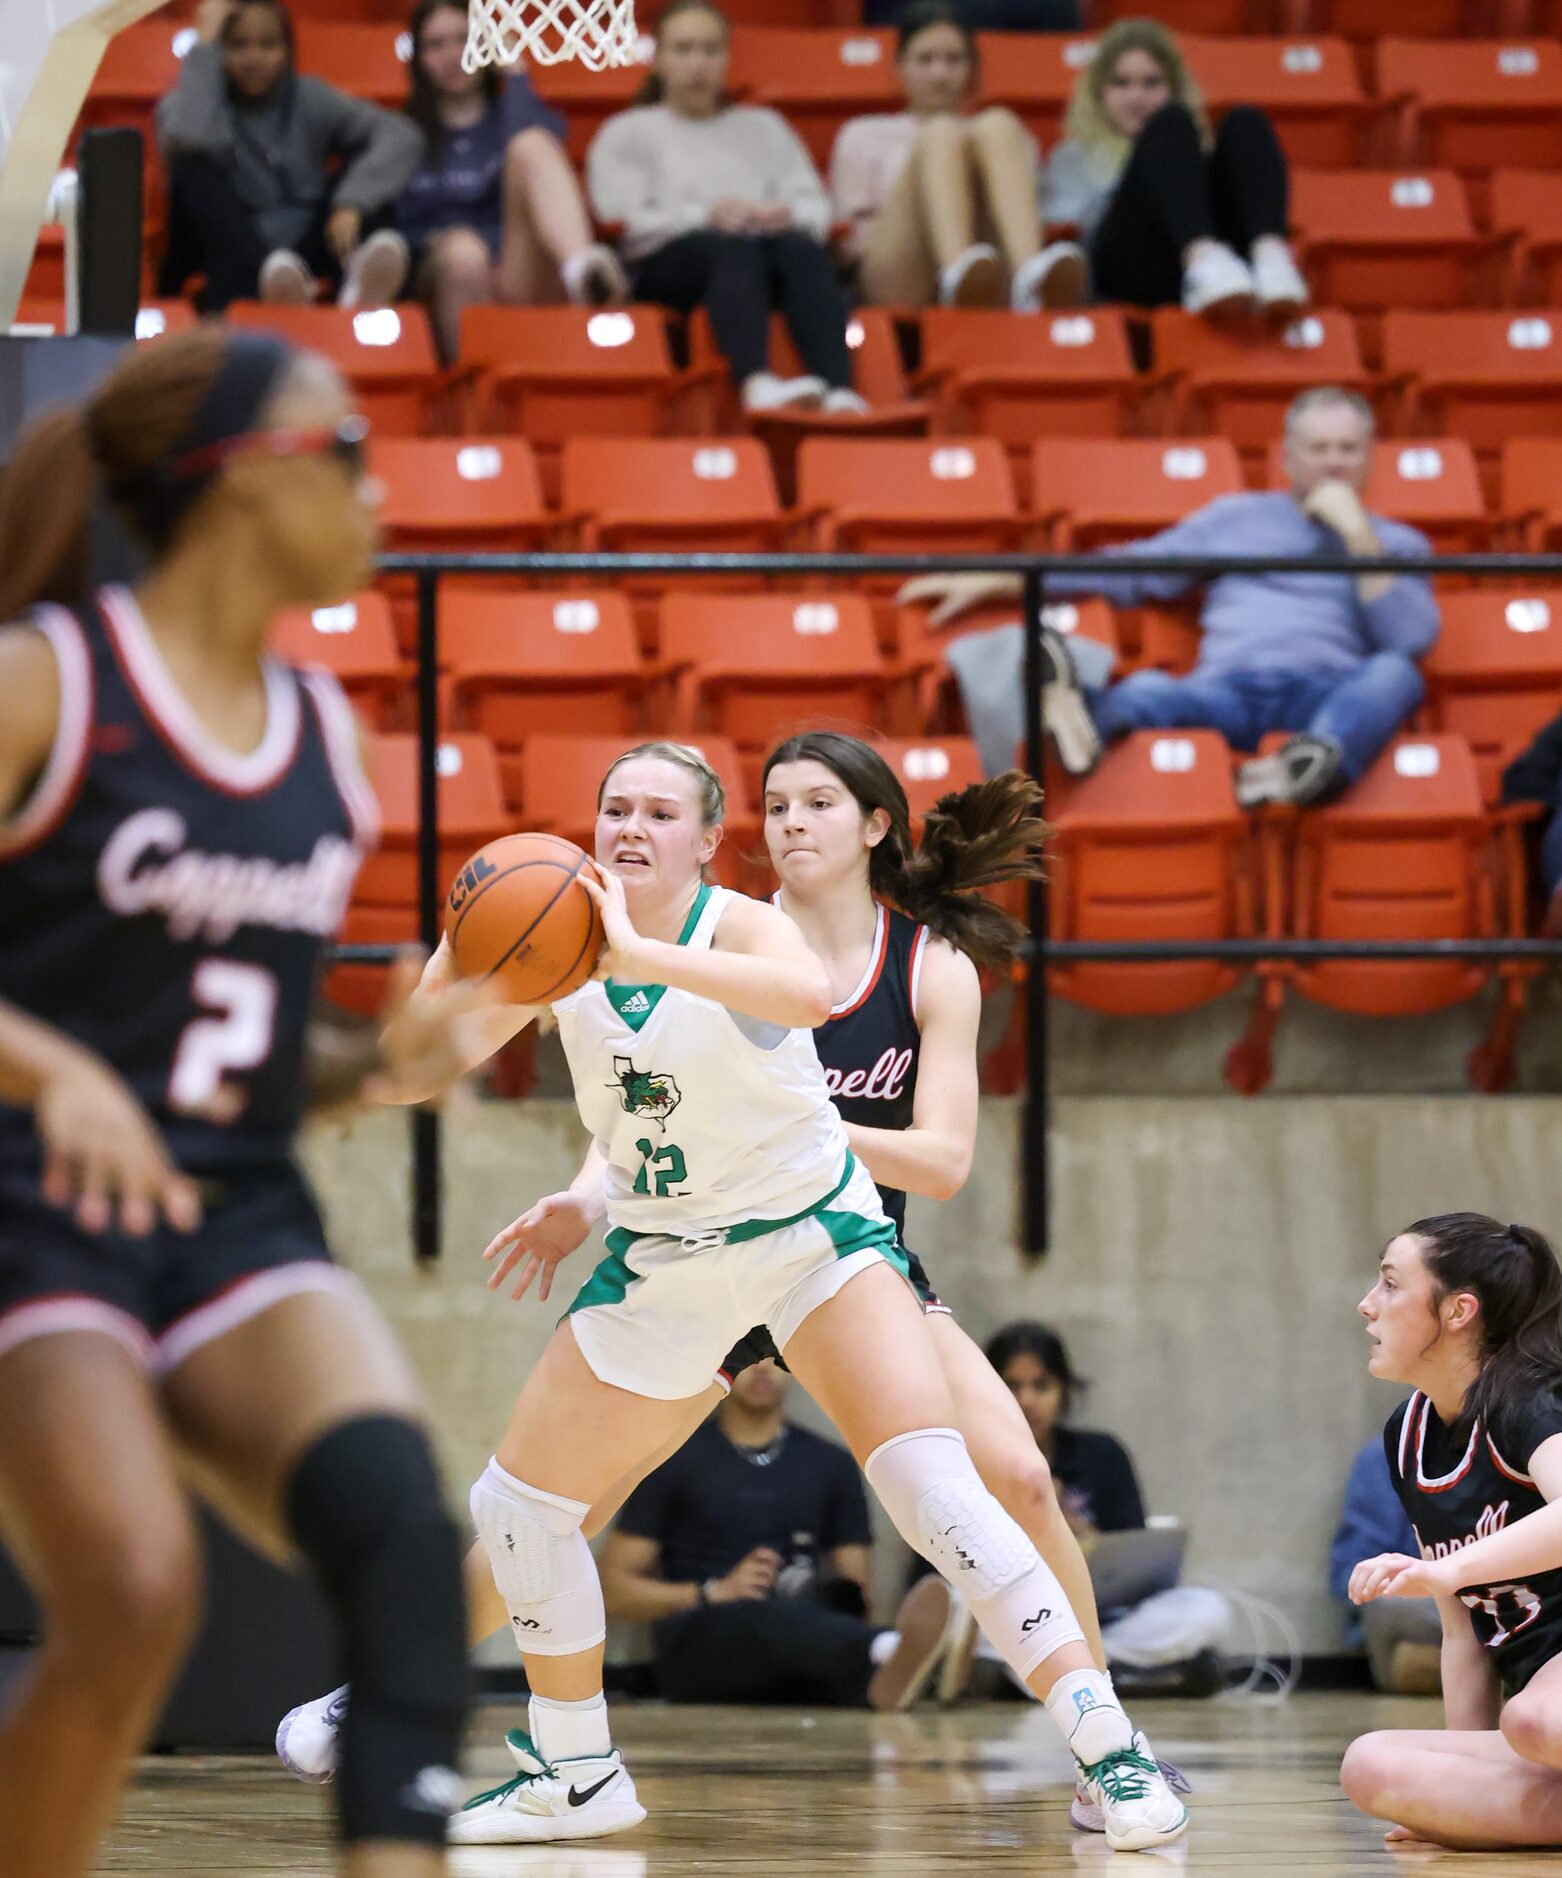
x=471, y=811
x=1471, y=104
x=1190, y=16
x=930, y=767
x=1033, y=75
x=459, y=492
x=1480, y=376
x=139, y=64
x=550, y=373
x=1526, y=205
x=759, y=667
x=670, y=494
x=1151, y=845
x=355, y=641
x=386, y=356
x=519, y=662
x=1430, y=482
x=1309, y=87
x=1372, y=19
x=892, y=494
x=1380, y=238
x=1237, y=381
x=1531, y=489
x=1494, y=676
x=366, y=58
x=816, y=79
x=1092, y=493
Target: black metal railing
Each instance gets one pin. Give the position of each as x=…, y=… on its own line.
x=1034, y=572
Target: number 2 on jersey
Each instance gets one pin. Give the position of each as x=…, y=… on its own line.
x=671, y=1170
x=242, y=1000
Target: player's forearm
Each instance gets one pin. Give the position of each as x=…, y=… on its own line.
x=474, y=1037
x=638, y=1599
x=774, y=990
x=1529, y=1546
x=30, y=1054
x=914, y=1160
x=1472, y=1696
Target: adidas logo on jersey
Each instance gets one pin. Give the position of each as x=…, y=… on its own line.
x=636, y=1006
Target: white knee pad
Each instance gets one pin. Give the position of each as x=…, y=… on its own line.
x=941, y=1509
x=541, y=1563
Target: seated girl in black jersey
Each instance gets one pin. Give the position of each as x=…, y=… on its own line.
x=1469, y=1313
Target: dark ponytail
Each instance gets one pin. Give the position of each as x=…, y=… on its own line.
x=972, y=838
x=1513, y=1272
x=651, y=90
x=64, y=457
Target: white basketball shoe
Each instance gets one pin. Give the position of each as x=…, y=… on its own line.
x=1132, y=1798
x=308, y=1737
x=576, y=1799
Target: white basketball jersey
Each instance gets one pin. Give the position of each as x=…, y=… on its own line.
x=707, y=1118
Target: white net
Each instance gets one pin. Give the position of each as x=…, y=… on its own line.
x=600, y=33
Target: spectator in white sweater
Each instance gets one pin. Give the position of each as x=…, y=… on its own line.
x=721, y=207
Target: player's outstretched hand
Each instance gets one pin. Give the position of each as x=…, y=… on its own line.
x=1395, y=1575
x=104, y=1160
x=437, y=1027
x=621, y=939
x=539, y=1241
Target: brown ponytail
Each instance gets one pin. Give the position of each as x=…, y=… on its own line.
x=973, y=838
x=60, y=461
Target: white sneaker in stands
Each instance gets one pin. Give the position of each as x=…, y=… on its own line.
x=284, y=279
x=1217, y=281
x=1058, y=276
x=376, y=271
x=974, y=278
x=1282, y=293
x=579, y=1799
x=842, y=401
x=765, y=391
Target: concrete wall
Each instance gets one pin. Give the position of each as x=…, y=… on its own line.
x=1209, y=1253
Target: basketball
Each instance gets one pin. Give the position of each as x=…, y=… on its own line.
x=518, y=913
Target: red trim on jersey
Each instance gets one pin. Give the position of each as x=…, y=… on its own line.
x=60, y=784
x=166, y=710
x=1513, y=1473
x=868, y=983
x=1445, y=1481
x=1404, y=1433
x=339, y=735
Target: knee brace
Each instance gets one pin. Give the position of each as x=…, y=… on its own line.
x=941, y=1509
x=365, y=1507
x=541, y=1564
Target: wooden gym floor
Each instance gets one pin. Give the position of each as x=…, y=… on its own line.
x=979, y=1790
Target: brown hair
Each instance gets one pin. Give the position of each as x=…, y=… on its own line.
x=651, y=91
x=972, y=838
x=1086, y=122
x=117, y=435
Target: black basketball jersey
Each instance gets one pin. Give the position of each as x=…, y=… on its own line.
x=1461, y=1485
x=166, y=902
x=870, y=1045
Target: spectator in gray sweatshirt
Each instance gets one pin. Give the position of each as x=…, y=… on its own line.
x=1329, y=658
x=254, y=204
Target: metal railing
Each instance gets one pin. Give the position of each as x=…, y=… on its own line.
x=1034, y=572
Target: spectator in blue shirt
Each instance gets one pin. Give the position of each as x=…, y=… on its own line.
x=1330, y=659
x=493, y=211
x=1403, y=1636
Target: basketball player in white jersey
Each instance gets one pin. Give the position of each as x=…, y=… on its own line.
x=733, y=1199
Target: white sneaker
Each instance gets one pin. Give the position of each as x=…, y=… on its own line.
x=284, y=279
x=1086, y=1816
x=308, y=1737
x=577, y=1799
x=842, y=401
x=595, y=277
x=1058, y=276
x=1218, y=281
x=376, y=271
x=1134, y=1799
x=1064, y=713
x=764, y=391
x=1282, y=293
x=974, y=278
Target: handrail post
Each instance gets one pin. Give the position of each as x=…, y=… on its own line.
x=1035, y=1119
x=426, y=1195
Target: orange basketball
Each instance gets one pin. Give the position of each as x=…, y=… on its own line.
x=517, y=913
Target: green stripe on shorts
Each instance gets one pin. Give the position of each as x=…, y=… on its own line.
x=612, y=1278
x=855, y=1232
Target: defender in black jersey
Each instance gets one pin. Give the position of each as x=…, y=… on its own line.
x=1469, y=1312
x=181, y=821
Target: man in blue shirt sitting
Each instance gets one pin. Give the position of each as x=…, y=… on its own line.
x=1328, y=658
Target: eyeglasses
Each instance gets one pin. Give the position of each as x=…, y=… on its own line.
x=345, y=445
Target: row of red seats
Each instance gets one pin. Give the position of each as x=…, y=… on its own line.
x=751, y=668
x=1469, y=105
x=1152, y=846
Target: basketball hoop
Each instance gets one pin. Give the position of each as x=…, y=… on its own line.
x=599, y=33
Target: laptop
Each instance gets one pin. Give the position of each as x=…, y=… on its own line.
x=1128, y=1567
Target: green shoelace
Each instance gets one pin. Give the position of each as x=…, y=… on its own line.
x=510, y=1786
x=1125, y=1775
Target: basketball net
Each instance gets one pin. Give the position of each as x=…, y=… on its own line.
x=599, y=33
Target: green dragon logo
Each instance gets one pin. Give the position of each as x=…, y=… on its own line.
x=644, y=1091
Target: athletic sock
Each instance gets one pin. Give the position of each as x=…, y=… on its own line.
x=883, y=1647
x=1086, y=1709
x=570, y=1731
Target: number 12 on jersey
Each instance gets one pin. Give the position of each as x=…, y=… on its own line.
x=665, y=1165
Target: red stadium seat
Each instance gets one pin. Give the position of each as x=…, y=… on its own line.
x=1237, y=381
x=1033, y=74
x=1526, y=205
x=1431, y=483
x=1020, y=376
x=930, y=767
x=670, y=494
x=519, y=662
x=1531, y=490
x=1479, y=376
x=1372, y=19
x=942, y=494
x=586, y=98
x=367, y=59
x=1151, y=845
x=1471, y=104
x=153, y=317
x=1189, y=16
x=471, y=811
x=1309, y=87
x=386, y=356
x=877, y=370
x=356, y=642
x=1380, y=238
x=138, y=66
x=1092, y=493
x=1495, y=674
x=757, y=667
x=816, y=79
x=452, y=493
x=550, y=373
